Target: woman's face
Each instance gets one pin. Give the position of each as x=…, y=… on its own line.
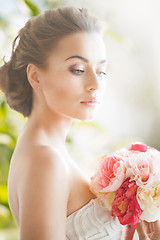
x=74, y=81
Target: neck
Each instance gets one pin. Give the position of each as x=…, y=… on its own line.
x=51, y=128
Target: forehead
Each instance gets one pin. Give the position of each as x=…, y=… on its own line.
x=88, y=45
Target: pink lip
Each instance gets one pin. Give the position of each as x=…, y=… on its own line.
x=92, y=100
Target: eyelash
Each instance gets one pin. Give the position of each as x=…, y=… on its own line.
x=103, y=73
x=78, y=72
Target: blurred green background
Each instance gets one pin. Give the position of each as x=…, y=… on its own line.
x=131, y=108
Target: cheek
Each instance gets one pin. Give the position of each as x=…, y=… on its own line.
x=63, y=92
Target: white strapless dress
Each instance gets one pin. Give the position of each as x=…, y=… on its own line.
x=93, y=222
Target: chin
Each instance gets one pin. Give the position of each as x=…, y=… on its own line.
x=86, y=118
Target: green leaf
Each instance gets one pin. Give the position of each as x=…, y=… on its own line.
x=50, y=4
x=68, y=139
x=7, y=223
x=3, y=110
x=3, y=195
x=121, y=39
x=33, y=8
x=3, y=22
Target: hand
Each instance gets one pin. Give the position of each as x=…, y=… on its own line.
x=148, y=230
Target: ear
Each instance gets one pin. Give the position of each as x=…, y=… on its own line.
x=32, y=74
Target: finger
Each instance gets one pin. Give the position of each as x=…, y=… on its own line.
x=147, y=227
x=129, y=232
x=152, y=227
x=141, y=231
x=156, y=226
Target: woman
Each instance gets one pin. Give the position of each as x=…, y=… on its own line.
x=56, y=74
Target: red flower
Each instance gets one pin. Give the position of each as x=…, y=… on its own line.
x=141, y=147
x=125, y=205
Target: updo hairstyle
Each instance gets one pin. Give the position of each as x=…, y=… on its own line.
x=33, y=44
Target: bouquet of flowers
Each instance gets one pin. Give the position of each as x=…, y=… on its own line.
x=127, y=182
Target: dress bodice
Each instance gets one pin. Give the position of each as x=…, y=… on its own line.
x=93, y=222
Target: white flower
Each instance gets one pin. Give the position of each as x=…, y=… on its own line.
x=149, y=200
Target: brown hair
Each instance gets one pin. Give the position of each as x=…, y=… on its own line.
x=36, y=39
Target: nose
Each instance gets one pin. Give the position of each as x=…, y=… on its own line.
x=93, y=82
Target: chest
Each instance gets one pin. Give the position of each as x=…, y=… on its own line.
x=80, y=193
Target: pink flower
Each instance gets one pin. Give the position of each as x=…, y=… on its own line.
x=110, y=173
x=141, y=167
x=141, y=147
x=125, y=205
x=127, y=183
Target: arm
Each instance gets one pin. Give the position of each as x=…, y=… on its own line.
x=43, y=197
x=148, y=230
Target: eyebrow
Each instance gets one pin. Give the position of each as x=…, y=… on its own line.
x=84, y=59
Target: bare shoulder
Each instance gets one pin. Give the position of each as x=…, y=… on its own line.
x=43, y=195
x=45, y=157
x=43, y=163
